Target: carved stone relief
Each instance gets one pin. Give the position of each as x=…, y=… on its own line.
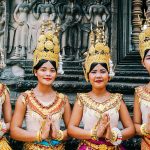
x=74, y=17
x=2, y=32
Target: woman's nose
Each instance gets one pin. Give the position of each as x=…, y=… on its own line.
x=98, y=74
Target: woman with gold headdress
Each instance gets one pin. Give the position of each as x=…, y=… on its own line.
x=99, y=109
x=5, y=108
x=42, y=107
x=142, y=94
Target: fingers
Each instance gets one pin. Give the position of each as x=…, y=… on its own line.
x=105, y=119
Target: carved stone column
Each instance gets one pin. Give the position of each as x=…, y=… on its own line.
x=148, y=8
x=2, y=32
x=136, y=24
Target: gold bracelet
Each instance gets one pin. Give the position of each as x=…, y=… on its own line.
x=114, y=136
x=94, y=134
x=143, y=130
x=60, y=135
x=38, y=136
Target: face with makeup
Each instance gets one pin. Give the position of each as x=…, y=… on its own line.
x=146, y=60
x=99, y=76
x=46, y=73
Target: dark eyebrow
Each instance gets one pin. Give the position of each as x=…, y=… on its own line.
x=147, y=55
x=43, y=67
x=46, y=68
x=100, y=70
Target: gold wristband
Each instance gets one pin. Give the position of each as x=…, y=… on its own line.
x=38, y=136
x=94, y=134
x=143, y=130
x=60, y=135
x=114, y=136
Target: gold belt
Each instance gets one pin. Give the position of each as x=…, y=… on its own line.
x=97, y=147
x=33, y=146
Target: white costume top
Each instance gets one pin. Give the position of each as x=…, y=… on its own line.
x=92, y=110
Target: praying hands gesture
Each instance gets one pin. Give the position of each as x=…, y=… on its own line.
x=48, y=130
x=103, y=124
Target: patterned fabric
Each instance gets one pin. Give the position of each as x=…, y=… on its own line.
x=92, y=110
x=33, y=146
x=144, y=100
x=102, y=144
x=4, y=144
x=36, y=113
x=3, y=92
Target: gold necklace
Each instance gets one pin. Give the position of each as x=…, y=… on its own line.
x=100, y=99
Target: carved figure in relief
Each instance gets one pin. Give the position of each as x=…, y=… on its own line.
x=22, y=30
x=71, y=31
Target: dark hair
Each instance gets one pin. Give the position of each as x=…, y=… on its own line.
x=94, y=64
x=41, y=62
x=145, y=53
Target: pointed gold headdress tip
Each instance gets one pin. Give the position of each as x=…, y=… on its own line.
x=48, y=47
x=144, y=38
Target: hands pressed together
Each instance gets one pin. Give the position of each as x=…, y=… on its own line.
x=48, y=130
x=103, y=130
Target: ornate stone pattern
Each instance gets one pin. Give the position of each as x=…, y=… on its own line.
x=136, y=23
x=2, y=32
x=74, y=17
x=148, y=8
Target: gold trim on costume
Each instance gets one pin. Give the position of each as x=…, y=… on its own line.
x=43, y=111
x=4, y=144
x=32, y=146
x=143, y=95
x=96, y=146
x=3, y=91
x=114, y=101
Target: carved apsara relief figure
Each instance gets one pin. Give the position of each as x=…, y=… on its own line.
x=98, y=15
x=22, y=30
x=2, y=23
x=71, y=32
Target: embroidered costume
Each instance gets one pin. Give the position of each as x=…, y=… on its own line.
x=144, y=100
x=92, y=113
x=141, y=91
x=35, y=116
x=99, y=52
x=3, y=141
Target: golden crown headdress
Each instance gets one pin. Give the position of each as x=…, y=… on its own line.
x=98, y=51
x=144, y=38
x=48, y=47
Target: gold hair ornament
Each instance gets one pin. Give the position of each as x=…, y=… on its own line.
x=48, y=47
x=98, y=51
x=144, y=37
